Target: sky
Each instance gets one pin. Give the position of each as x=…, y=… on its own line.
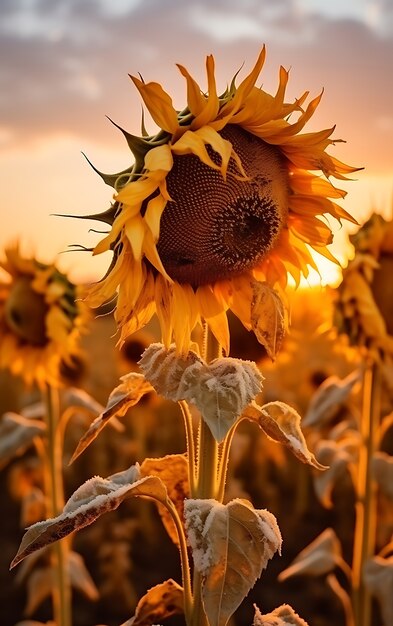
x=64, y=67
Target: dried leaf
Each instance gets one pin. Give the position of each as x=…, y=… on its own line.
x=158, y=603
x=231, y=545
x=284, y=615
x=80, y=578
x=173, y=471
x=39, y=587
x=94, y=498
x=382, y=468
x=16, y=435
x=378, y=577
x=329, y=399
x=73, y=396
x=220, y=389
x=126, y=395
x=267, y=317
x=320, y=557
x=281, y=423
x=338, y=458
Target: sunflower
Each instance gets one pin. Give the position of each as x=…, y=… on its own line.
x=364, y=299
x=40, y=319
x=222, y=198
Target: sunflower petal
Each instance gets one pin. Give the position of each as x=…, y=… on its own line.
x=159, y=104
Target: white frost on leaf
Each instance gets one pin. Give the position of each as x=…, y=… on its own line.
x=122, y=398
x=284, y=615
x=220, y=389
x=94, y=498
x=281, y=423
x=231, y=545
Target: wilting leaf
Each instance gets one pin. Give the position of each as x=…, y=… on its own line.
x=231, y=545
x=16, y=435
x=382, y=467
x=220, y=389
x=329, y=399
x=268, y=317
x=281, y=423
x=173, y=471
x=158, y=603
x=39, y=587
x=80, y=578
x=126, y=395
x=283, y=616
x=73, y=396
x=94, y=498
x=378, y=577
x=338, y=457
x=320, y=557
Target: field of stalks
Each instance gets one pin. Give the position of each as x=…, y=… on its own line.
x=324, y=506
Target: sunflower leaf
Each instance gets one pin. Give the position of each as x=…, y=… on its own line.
x=91, y=500
x=284, y=615
x=281, y=423
x=16, y=435
x=124, y=396
x=158, y=603
x=231, y=545
x=173, y=471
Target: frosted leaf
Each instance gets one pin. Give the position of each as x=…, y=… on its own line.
x=164, y=368
x=159, y=602
x=328, y=400
x=16, y=435
x=231, y=545
x=378, y=577
x=281, y=423
x=94, y=498
x=220, y=389
x=124, y=396
x=173, y=471
x=284, y=615
x=267, y=317
x=338, y=459
x=320, y=557
x=382, y=468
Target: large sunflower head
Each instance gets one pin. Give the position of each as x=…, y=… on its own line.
x=364, y=299
x=40, y=319
x=228, y=194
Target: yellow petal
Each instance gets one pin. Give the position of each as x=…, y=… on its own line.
x=211, y=108
x=153, y=214
x=159, y=104
x=135, y=229
x=195, y=99
x=159, y=158
x=191, y=143
x=212, y=311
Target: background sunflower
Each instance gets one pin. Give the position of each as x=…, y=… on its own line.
x=41, y=319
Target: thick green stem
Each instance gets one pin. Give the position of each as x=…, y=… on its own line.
x=365, y=527
x=53, y=477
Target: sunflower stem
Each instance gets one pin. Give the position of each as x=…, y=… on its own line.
x=365, y=525
x=190, y=446
x=53, y=478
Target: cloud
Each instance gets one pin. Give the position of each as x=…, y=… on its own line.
x=67, y=62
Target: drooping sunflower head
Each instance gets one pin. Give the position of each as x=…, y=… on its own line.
x=364, y=300
x=227, y=195
x=40, y=319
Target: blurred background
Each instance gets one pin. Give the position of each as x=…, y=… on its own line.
x=64, y=67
